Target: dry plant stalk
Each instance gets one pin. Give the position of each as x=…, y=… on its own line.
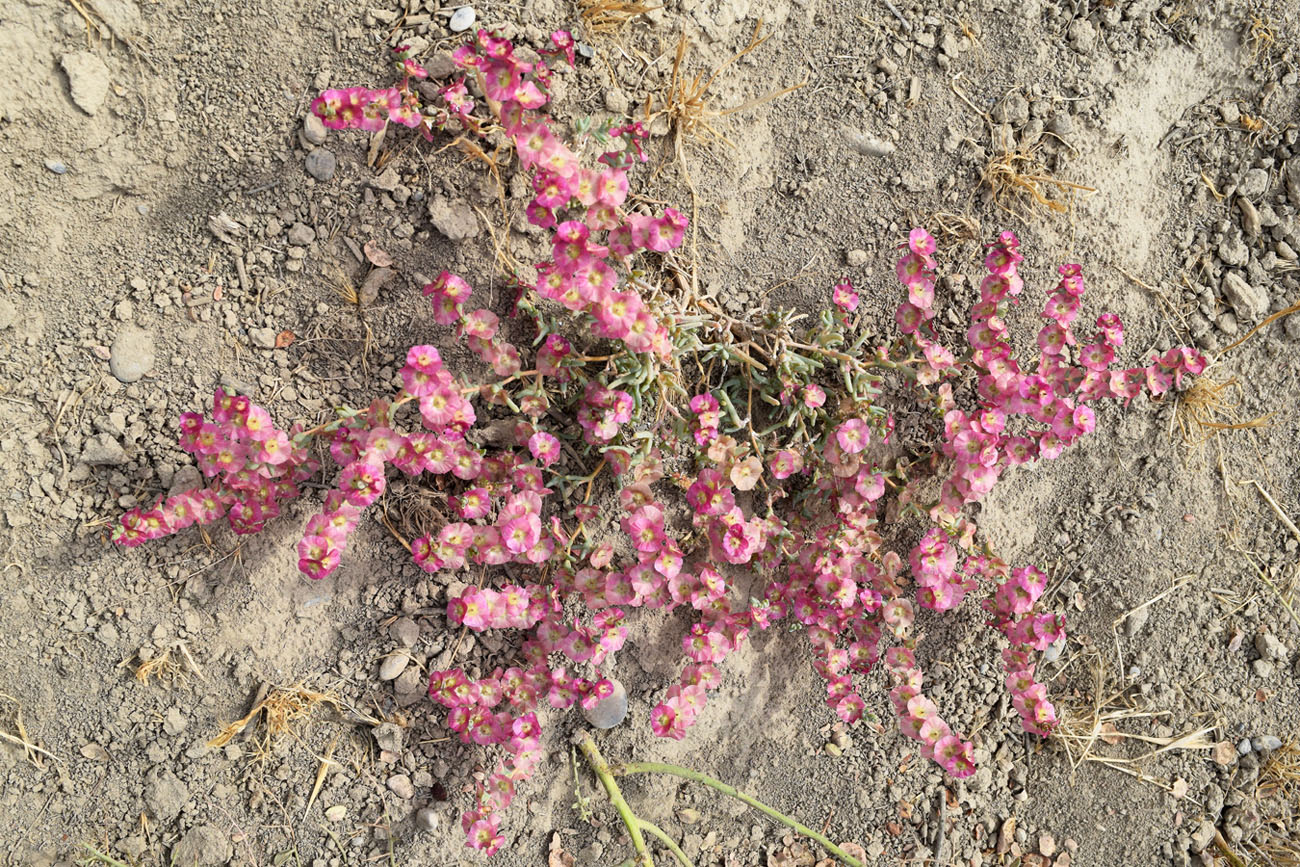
x=166, y=667
x=282, y=707
x=1206, y=409
x=31, y=752
x=609, y=17
x=1018, y=180
x=1278, y=796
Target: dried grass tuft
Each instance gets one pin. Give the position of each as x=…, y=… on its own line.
x=1278, y=796
x=281, y=710
x=172, y=666
x=1018, y=181
x=609, y=17
x=1208, y=407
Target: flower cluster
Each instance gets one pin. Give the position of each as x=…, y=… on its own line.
x=783, y=482
x=253, y=466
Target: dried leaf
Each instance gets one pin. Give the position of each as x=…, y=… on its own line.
x=377, y=256
x=1110, y=734
x=284, y=339
x=1234, y=643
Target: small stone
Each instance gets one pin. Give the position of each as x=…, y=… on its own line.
x=1233, y=251
x=387, y=180
x=1224, y=753
x=321, y=164
x=202, y=846
x=1243, y=746
x=1227, y=323
x=1263, y=668
x=865, y=144
x=689, y=816
x=1249, y=302
x=131, y=355
x=1203, y=836
x=1253, y=184
x=1284, y=251
x=405, y=631
x=1268, y=646
x=426, y=819
x=164, y=795
x=1134, y=622
x=856, y=258
x=87, y=79
x=616, y=101
x=1266, y=743
x=263, y=338
x=124, y=310
x=313, y=129
x=1006, y=835
x=56, y=166
x=1061, y=125
x=102, y=450
x=389, y=737
x=462, y=19
x=456, y=220
x=1082, y=35
x=833, y=751
x=174, y=721
x=1230, y=112
x=1013, y=110
x=1046, y=845
x=301, y=234
x=336, y=813
x=8, y=314
x=393, y=665
x=609, y=711
x=401, y=786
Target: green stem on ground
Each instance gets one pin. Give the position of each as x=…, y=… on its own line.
x=656, y=831
x=603, y=773
x=731, y=791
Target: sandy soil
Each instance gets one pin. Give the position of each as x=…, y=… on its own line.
x=127, y=127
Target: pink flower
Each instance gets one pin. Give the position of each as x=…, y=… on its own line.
x=853, y=435
x=544, y=447
x=844, y=296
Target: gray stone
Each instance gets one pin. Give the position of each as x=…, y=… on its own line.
x=393, y=665
x=1270, y=648
x=462, y=19
x=301, y=234
x=87, y=79
x=866, y=144
x=456, y=220
x=1266, y=743
x=1134, y=622
x=1233, y=251
x=1253, y=184
x=1249, y=302
x=405, y=631
x=1203, y=836
x=1243, y=746
x=1263, y=669
x=1082, y=35
x=56, y=166
x=1061, y=125
x=401, y=786
x=187, y=478
x=262, y=338
x=202, y=846
x=164, y=795
x=609, y=711
x=389, y=737
x=8, y=314
x=426, y=820
x=856, y=258
x=131, y=355
x=174, y=721
x=321, y=164
x=313, y=129
x=101, y=450
x=1013, y=110
x=387, y=180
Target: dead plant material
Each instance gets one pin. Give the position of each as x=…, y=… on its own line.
x=1294, y=308
x=1278, y=796
x=20, y=738
x=609, y=17
x=281, y=709
x=1018, y=181
x=686, y=103
x=1206, y=408
x=172, y=666
x=950, y=228
x=1086, y=725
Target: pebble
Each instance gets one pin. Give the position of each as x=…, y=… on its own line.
x=1243, y=746
x=1263, y=668
x=174, y=722
x=1268, y=646
x=867, y=145
x=1249, y=302
x=462, y=19
x=56, y=166
x=1046, y=845
x=202, y=846
x=1233, y=251
x=1203, y=836
x=313, y=129
x=405, y=631
x=393, y=665
x=389, y=737
x=426, y=819
x=87, y=79
x=102, y=450
x=387, y=180
x=401, y=786
x=1134, y=622
x=456, y=220
x=856, y=258
x=609, y=711
x=131, y=355
x=263, y=338
x=1266, y=743
x=321, y=164
x=336, y=813
x=1253, y=183
x=301, y=234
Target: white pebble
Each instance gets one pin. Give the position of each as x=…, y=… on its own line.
x=462, y=19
